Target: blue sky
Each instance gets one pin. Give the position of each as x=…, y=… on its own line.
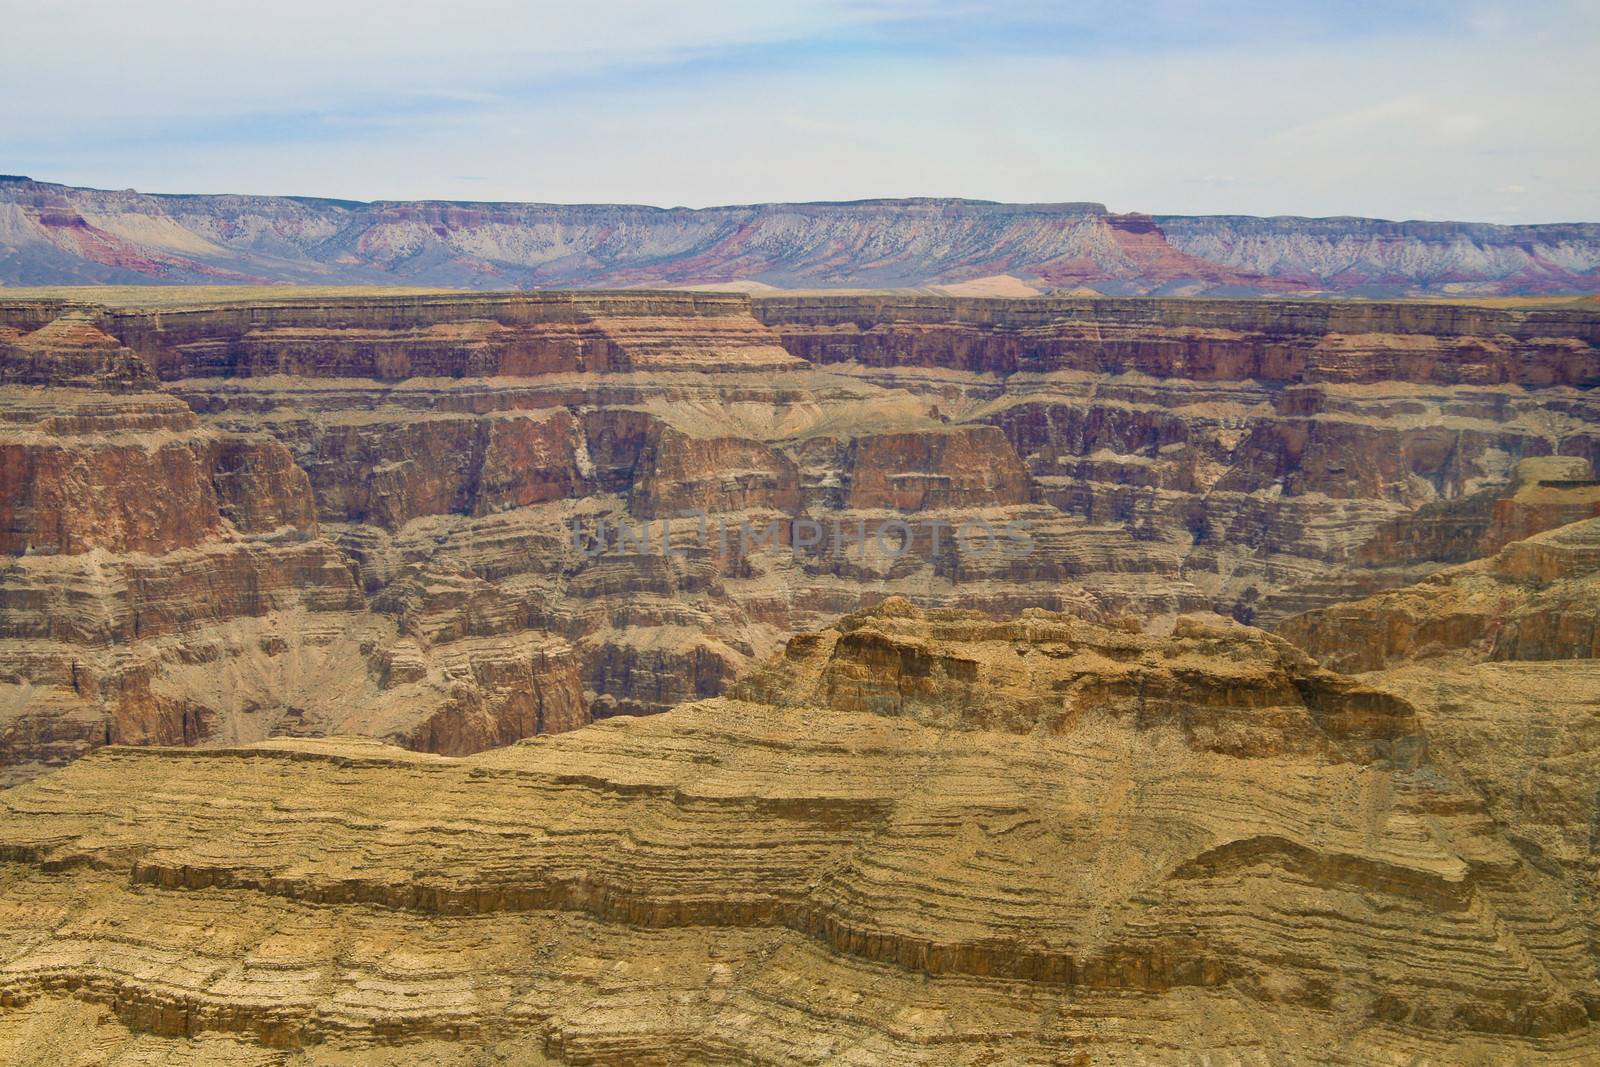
x=1404, y=110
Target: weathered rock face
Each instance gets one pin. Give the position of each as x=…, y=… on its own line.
x=454, y=335
x=65, y=235
x=1275, y=341
x=1523, y=736
x=914, y=838
x=445, y=481
x=69, y=351
x=166, y=582
x=967, y=467
x=1533, y=600
x=1282, y=429
x=676, y=472
x=1219, y=686
x=1501, y=660
x=95, y=458
x=1548, y=493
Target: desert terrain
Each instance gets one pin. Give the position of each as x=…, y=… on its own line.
x=335, y=730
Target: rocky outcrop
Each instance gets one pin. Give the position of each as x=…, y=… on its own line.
x=1547, y=493
x=1220, y=686
x=1500, y=659
x=165, y=581
x=636, y=496
x=68, y=351
x=1281, y=342
x=931, y=837
x=66, y=235
x=453, y=335
x=675, y=472
x=1533, y=600
x=964, y=467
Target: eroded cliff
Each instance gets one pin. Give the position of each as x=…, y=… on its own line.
x=1501, y=659
x=61, y=235
x=453, y=512
x=915, y=837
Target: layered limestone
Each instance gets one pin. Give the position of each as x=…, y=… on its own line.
x=633, y=497
x=167, y=582
x=1280, y=341
x=1500, y=659
x=1535, y=599
x=1523, y=735
x=1268, y=456
x=60, y=235
x=914, y=837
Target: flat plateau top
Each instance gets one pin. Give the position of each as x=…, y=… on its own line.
x=137, y=297
x=169, y=297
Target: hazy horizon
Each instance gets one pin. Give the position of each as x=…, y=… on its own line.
x=1111, y=208
x=1421, y=110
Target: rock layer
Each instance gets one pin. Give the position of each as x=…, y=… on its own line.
x=1533, y=600
x=64, y=235
x=913, y=838
x=167, y=582
x=515, y=512
x=1499, y=657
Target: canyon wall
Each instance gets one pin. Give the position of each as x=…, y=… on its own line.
x=452, y=521
x=54, y=234
x=945, y=798
x=1534, y=600
x=911, y=838
x=1500, y=656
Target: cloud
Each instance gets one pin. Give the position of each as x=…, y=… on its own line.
x=1404, y=110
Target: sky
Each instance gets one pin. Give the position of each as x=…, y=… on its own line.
x=1401, y=109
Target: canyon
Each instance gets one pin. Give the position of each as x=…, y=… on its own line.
x=400, y=516
x=912, y=837
x=425, y=677
x=53, y=234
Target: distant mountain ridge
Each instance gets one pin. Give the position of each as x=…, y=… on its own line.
x=56, y=234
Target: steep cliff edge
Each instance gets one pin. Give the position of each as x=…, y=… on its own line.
x=57, y=235
x=163, y=581
x=1500, y=657
x=915, y=838
x=1536, y=599
x=453, y=511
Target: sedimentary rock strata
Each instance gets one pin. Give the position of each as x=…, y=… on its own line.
x=168, y=582
x=64, y=235
x=911, y=838
x=482, y=516
x=874, y=829
x=1500, y=659
x=1537, y=599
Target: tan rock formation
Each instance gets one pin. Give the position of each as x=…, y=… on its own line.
x=1537, y=599
x=425, y=458
x=1500, y=660
x=913, y=838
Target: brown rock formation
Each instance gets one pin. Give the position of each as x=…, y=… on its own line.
x=1205, y=341
x=1537, y=599
x=1501, y=660
x=915, y=838
x=411, y=468
x=165, y=582
x=966, y=467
